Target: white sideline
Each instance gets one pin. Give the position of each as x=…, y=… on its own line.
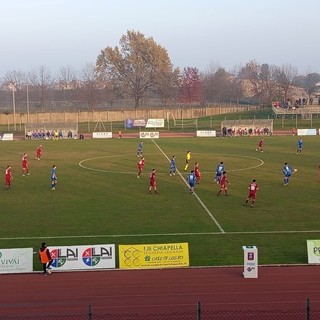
x=197, y=197
x=162, y=234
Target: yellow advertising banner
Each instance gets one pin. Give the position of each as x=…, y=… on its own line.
x=147, y=256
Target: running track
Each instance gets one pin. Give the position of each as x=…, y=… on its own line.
x=160, y=291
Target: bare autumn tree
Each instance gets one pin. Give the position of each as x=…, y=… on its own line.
x=235, y=85
x=269, y=84
x=190, y=87
x=16, y=81
x=262, y=80
x=251, y=73
x=90, y=86
x=217, y=85
x=285, y=76
x=42, y=81
x=311, y=81
x=135, y=66
x=67, y=83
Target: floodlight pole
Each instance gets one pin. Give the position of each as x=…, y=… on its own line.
x=28, y=109
x=14, y=106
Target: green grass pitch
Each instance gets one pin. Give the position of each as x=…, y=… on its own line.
x=99, y=199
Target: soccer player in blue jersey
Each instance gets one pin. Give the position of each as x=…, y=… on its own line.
x=299, y=146
x=219, y=172
x=287, y=171
x=173, y=167
x=191, y=178
x=140, y=149
x=54, y=178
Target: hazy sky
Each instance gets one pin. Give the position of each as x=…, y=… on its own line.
x=198, y=33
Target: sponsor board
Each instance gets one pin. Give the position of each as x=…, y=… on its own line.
x=16, y=260
x=102, y=135
x=83, y=257
x=250, y=262
x=155, y=123
x=206, y=133
x=149, y=135
x=130, y=123
x=7, y=137
x=313, y=247
x=307, y=132
x=148, y=256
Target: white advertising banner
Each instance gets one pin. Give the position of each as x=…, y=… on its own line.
x=102, y=135
x=206, y=133
x=313, y=247
x=149, y=135
x=16, y=260
x=7, y=137
x=307, y=132
x=100, y=256
x=155, y=123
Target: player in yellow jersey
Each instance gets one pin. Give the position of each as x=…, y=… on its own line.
x=188, y=158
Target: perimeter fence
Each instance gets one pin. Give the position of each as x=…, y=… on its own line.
x=304, y=313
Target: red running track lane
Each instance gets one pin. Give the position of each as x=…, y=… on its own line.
x=160, y=291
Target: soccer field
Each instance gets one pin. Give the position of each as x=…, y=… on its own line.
x=99, y=199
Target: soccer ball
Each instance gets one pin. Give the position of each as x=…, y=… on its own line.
x=49, y=271
x=295, y=170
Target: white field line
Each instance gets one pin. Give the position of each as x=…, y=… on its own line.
x=197, y=197
x=162, y=234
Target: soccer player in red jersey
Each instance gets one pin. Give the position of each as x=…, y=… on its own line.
x=140, y=166
x=197, y=172
x=25, y=165
x=39, y=152
x=260, y=145
x=8, y=177
x=253, y=188
x=223, y=184
x=153, y=183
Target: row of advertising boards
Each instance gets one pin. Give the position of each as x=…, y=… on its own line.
x=103, y=256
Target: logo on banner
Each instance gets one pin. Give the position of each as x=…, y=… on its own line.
x=128, y=123
x=91, y=258
x=149, y=135
x=155, y=123
x=61, y=256
x=139, y=123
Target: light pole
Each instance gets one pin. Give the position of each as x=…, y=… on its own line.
x=13, y=87
x=28, y=102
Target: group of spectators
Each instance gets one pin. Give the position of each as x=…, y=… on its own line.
x=231, y=132
x=301, y=102
x=53, y=135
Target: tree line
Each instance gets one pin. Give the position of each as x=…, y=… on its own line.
x=138, y=72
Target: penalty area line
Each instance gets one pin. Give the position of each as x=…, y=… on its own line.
x=197, y=197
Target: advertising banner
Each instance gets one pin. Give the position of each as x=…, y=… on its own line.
x=313, y=247
x=102, y=135
x=130, y=123
x=7, y=137
x=148, y=256
x=307, y=132
x=155, y=123
x=206, y=133
x=87, y=257
x=16, y=260
x=149, y=135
